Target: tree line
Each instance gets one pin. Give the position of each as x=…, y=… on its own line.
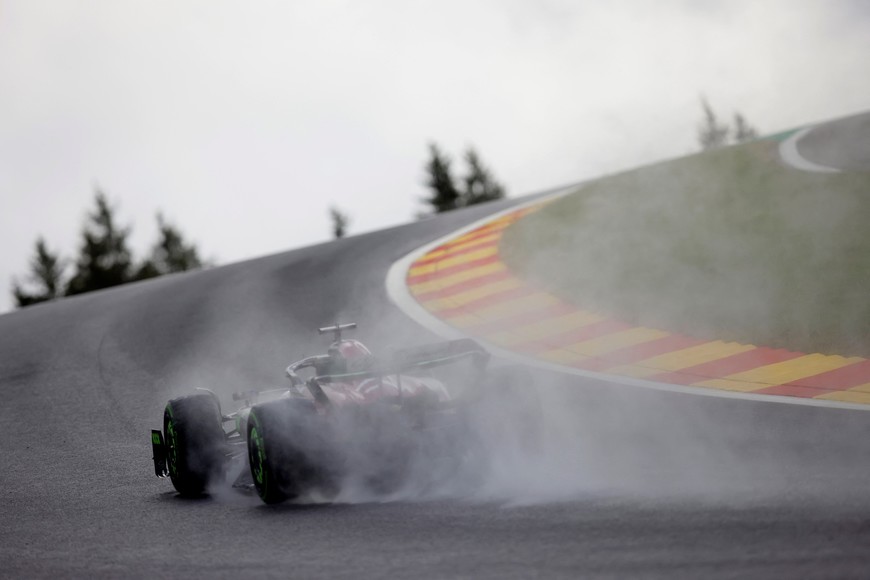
x=446, y=191
x=478, y=185
x=104, y=259
x=713, y=133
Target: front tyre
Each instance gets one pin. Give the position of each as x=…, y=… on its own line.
x=195, y=443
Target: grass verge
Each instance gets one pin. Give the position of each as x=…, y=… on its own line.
x=728, y=244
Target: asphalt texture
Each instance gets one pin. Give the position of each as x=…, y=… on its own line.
x=842, y=144
x=631, y=482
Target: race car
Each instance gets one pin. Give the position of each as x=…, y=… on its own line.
x=376, y=420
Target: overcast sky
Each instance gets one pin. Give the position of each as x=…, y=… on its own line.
x=244, y=121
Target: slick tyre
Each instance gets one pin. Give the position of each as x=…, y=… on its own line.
x=195, y=442
x=281, y=448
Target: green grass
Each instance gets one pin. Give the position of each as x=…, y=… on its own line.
x=728, y=244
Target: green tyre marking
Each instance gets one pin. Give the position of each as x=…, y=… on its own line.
x=260, y=455
x=172, y=443
x=258, y=468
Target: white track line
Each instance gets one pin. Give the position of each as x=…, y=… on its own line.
x=788, y=150
x=400, y=294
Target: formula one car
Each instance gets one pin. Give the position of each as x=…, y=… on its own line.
x=376, y=420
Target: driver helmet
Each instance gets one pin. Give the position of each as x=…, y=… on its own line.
x=348, y=355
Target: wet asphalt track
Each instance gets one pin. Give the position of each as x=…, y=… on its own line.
x=843, y=144
x=671, y=486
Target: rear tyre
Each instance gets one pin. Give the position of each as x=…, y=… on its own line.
x=195, y=442
x=282, y=447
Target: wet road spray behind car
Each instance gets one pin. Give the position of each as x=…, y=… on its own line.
x=418, y=414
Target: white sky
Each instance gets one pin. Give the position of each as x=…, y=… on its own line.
x=243, y=121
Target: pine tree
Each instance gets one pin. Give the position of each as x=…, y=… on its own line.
x=104, y=258
x=340, y=222
x=743, y=131
x=480, y=186
x=46, y=275
x=170, y=254
x=710, y=133
x=445, y=196
x=147, y=269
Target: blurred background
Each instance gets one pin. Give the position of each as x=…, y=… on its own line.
x=243, y=123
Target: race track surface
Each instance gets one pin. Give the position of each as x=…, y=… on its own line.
x=632, y=483
x=841, y=144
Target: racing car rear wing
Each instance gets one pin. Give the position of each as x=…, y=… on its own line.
x=439, y=353
x=417, y=358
